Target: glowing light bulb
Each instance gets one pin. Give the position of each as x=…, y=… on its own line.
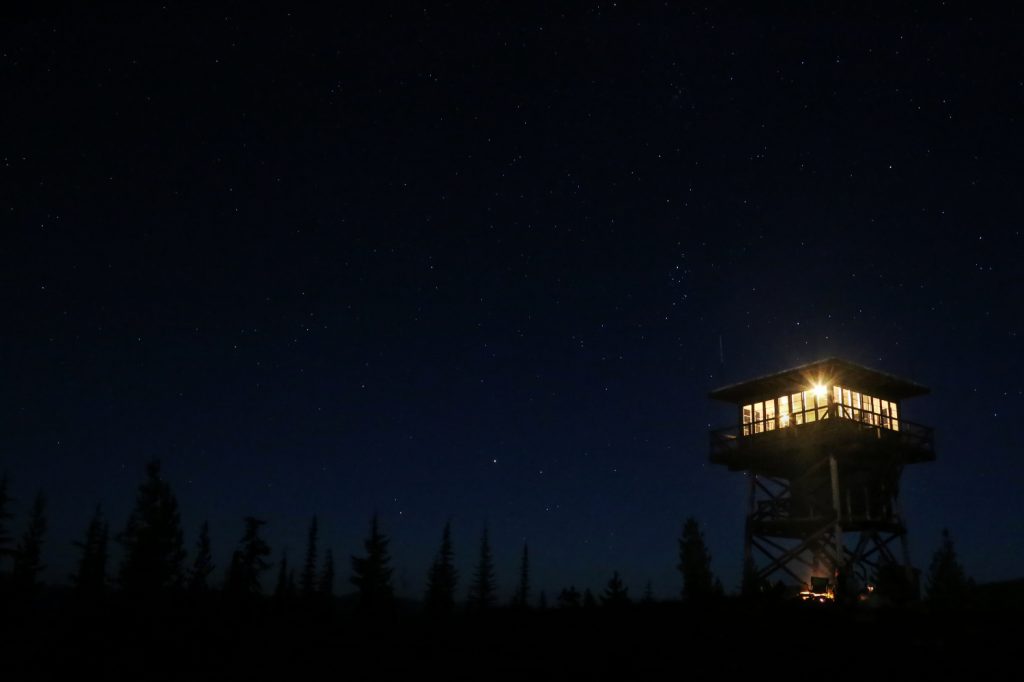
x=820, y=391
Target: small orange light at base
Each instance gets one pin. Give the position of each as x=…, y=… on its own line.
x=825, y=597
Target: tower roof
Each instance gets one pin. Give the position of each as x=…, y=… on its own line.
x=830, y=371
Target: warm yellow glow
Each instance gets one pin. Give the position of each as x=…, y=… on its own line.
x=820, y=392
x=784, y=420
x=825, y=597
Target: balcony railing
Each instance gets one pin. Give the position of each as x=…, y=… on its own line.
x=725, y=441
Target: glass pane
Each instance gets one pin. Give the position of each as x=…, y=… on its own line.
x=748, y=412
x=895, y=416
x=809, y=406
x=758, y=417
x=783, y=411
x=769, y=415
x=837, y=395
x=885, y=414
x=798, y=408
x=855, y=402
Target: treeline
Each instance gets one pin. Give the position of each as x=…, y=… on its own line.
x=154, y=562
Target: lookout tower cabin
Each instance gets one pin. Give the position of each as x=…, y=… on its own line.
x=823, y=447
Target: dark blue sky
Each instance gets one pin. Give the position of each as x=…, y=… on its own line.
x=488, y=266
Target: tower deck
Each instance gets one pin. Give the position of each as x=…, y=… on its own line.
x=786, y=452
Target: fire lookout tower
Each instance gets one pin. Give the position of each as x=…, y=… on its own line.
x=823, y=446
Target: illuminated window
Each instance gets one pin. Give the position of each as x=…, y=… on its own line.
x=869, y=405
x=747, y=414
x=769, y=415
x=865, y=408
x=895, y=416
x=809, y=402
x=798, y=408
x=783, y=411
x=758, y=417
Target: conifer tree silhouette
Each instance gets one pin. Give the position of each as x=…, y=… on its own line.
x=948, y=584
x=292, y=590
x=648, y=597
x=28, y=554
x=616, y=594
x=234, y=581
x=695, y=563
x=6, y=548
x=371, y=574
x=202, y=565
x=894, y=582
x=281, y=588
x=751, y=585
x=91, y=577
x=521, y=599
x=482, y=590
x=569, y=598
x=326, y=585
x=442, y=577
x=308, y=581
x=249, y=561
x=152, y=539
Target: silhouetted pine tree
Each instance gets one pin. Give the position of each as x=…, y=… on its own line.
x=326, y=586
x=948, y=584
x=588, y=599
x=28, y=554
x=152, y=539
x=442, y=577
x=281, y=589
x=371, y=574
x=569, y=598
x=6, y=548
x=202, y=565
x=234, y=580
x=895, y=582
x=521, y=599
x=249, y=561
x=648, y=597
x=751, y=585
x=695, y=563
x=482, y=589
x=308, y=581
x=91, y=577
x=616, y=594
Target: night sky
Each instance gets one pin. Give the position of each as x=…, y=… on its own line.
x=486, y=266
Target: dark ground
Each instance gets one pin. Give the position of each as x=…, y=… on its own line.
x=659, y=641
